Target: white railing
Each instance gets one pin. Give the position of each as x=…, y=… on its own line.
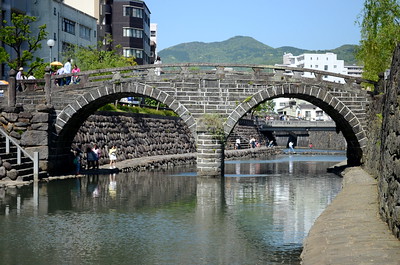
x=20, y=151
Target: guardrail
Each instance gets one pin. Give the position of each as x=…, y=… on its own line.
x=197, y=68
x=20, y=151
x=300, y=123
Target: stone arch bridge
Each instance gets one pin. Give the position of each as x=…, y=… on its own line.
x=210, y=99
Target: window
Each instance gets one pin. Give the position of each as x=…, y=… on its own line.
x=153, y=33
x=66, y=47
x=55, y=11
x=129, y=52
x=335, y=66
x=134, y=33
x=316, y=66
x=68, y=26
x=325, y=67
x=308, y=114
x=84, y=32
x=130, y=11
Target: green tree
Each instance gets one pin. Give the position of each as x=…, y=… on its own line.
x=380, y=32
x=92, y=58
x=264, y=108
x=23, y=43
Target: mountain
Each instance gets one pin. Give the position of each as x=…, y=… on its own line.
x=242, y=50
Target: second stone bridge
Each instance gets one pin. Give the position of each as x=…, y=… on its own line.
x=210, y=99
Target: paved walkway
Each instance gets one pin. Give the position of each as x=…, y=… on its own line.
x=350, y=230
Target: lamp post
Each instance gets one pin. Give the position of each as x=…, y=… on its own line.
x=50, y=43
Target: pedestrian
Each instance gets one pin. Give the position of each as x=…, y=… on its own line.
x=271, y=143
x=20, y=74
x=67, y=68
x=252, y=142
x=75, y=78
x=291, y=149
x=237, y=144
x=97, y=151
x=61, y=71
x=157, y=70
x=91, y=157
x=77, y=160
x=112, y=153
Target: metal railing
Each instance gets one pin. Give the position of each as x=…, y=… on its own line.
x=20, y=151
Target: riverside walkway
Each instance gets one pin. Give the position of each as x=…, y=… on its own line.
x=350, y=231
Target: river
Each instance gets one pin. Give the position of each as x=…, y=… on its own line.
x=260, y=214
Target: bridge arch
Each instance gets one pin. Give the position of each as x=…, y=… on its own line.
x=346, y=120
x=71, y=117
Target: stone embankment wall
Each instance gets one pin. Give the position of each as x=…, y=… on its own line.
x=135, y=135
x=382, y=155
x=29, y=129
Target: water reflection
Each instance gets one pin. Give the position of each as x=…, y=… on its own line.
x=259, y=214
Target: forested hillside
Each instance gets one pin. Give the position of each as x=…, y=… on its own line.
x=242, y=50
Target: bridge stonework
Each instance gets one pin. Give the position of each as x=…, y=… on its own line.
x=225, y=94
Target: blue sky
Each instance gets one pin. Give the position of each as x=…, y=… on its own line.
x=306, y=24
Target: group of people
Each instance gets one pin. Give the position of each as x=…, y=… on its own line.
x=67, y=69
x=93, y=156
x=254, y=143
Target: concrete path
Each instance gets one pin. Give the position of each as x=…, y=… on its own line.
x=350, y=230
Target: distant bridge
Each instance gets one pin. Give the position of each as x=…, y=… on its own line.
x=210, y=99
x=296, y=125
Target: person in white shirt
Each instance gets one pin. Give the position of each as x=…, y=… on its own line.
x=67, y=68
x=20, y=74
x=61, y=71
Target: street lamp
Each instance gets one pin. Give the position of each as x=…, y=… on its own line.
x=50, y=43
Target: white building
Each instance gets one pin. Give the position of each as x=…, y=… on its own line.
x=317, y=61
x=90, y=7
x=153, y=37
x=300, y=109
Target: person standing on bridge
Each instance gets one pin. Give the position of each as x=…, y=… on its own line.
x=158, y=69
x=75, y=78
x=67, y=67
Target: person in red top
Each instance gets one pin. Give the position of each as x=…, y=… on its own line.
x=75, y=78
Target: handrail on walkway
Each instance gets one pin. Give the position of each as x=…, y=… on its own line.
x=20, y=151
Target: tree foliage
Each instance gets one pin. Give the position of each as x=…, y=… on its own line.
x=92, y=58
x=380, y=32
x=23, y=43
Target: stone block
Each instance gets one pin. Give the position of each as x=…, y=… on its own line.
x=11, y=117
x=42, y=150
x=40, y=117
x=40, y=126
x=3, y=172
x=34, y=138
x=12, y=174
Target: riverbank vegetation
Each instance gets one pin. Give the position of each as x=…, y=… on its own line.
x=137, y=109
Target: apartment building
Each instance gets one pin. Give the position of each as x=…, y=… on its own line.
x=127, y=23
x=66, y=25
